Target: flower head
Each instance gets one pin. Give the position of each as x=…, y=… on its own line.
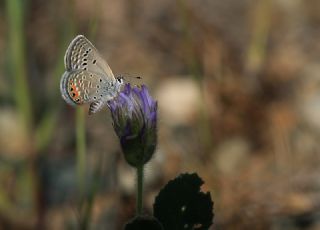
x=134, y=114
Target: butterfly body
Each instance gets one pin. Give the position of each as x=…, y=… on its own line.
x=88, y=78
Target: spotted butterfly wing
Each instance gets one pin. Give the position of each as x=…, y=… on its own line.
x=80, y=86
x=81, y=54
x=88, y=78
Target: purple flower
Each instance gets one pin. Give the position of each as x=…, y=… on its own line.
x=134, y=114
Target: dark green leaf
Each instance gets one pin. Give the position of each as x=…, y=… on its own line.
x=181, y=204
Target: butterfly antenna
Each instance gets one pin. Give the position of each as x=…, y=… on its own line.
x=127, y=76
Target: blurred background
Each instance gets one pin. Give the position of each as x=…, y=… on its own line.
x=239, y=103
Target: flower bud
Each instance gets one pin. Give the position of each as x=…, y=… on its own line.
x=134, y=114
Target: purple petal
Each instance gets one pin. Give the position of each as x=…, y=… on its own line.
x=127, y=89
x=147, y=95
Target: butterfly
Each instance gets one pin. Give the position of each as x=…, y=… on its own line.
x=88, y=78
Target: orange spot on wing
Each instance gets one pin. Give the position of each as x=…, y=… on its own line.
x=74, y=93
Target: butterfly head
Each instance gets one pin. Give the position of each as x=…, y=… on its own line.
x=119, y=83
x=120, y=80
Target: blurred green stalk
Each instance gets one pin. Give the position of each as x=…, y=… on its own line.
x=80, y=122
x=94, y=187
x=16, y=38
x=46, y=126
x=256, y=53
x=81, y=144
x=81, y=149
x=18, y=71
x=44, y=130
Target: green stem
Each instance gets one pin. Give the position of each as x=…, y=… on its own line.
x=92, y=191
x=139, y=189
x=81, y=149
x=18, y=66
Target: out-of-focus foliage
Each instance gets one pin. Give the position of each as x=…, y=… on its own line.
x=237, y=84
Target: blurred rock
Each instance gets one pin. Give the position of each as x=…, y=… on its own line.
x=178, y=100
x=14, y=141
x=232, y=155
x=311, y=111
x=126, y=179
x=309, y=96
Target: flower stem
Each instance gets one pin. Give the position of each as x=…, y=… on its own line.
x=139, y=189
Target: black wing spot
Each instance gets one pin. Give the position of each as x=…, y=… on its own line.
x=98, y=86
x=100, y=79
x=73, y=94
x=94, y=97
x=94, y=61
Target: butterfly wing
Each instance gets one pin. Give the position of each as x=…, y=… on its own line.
x=81, y=86
x=82, y=55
